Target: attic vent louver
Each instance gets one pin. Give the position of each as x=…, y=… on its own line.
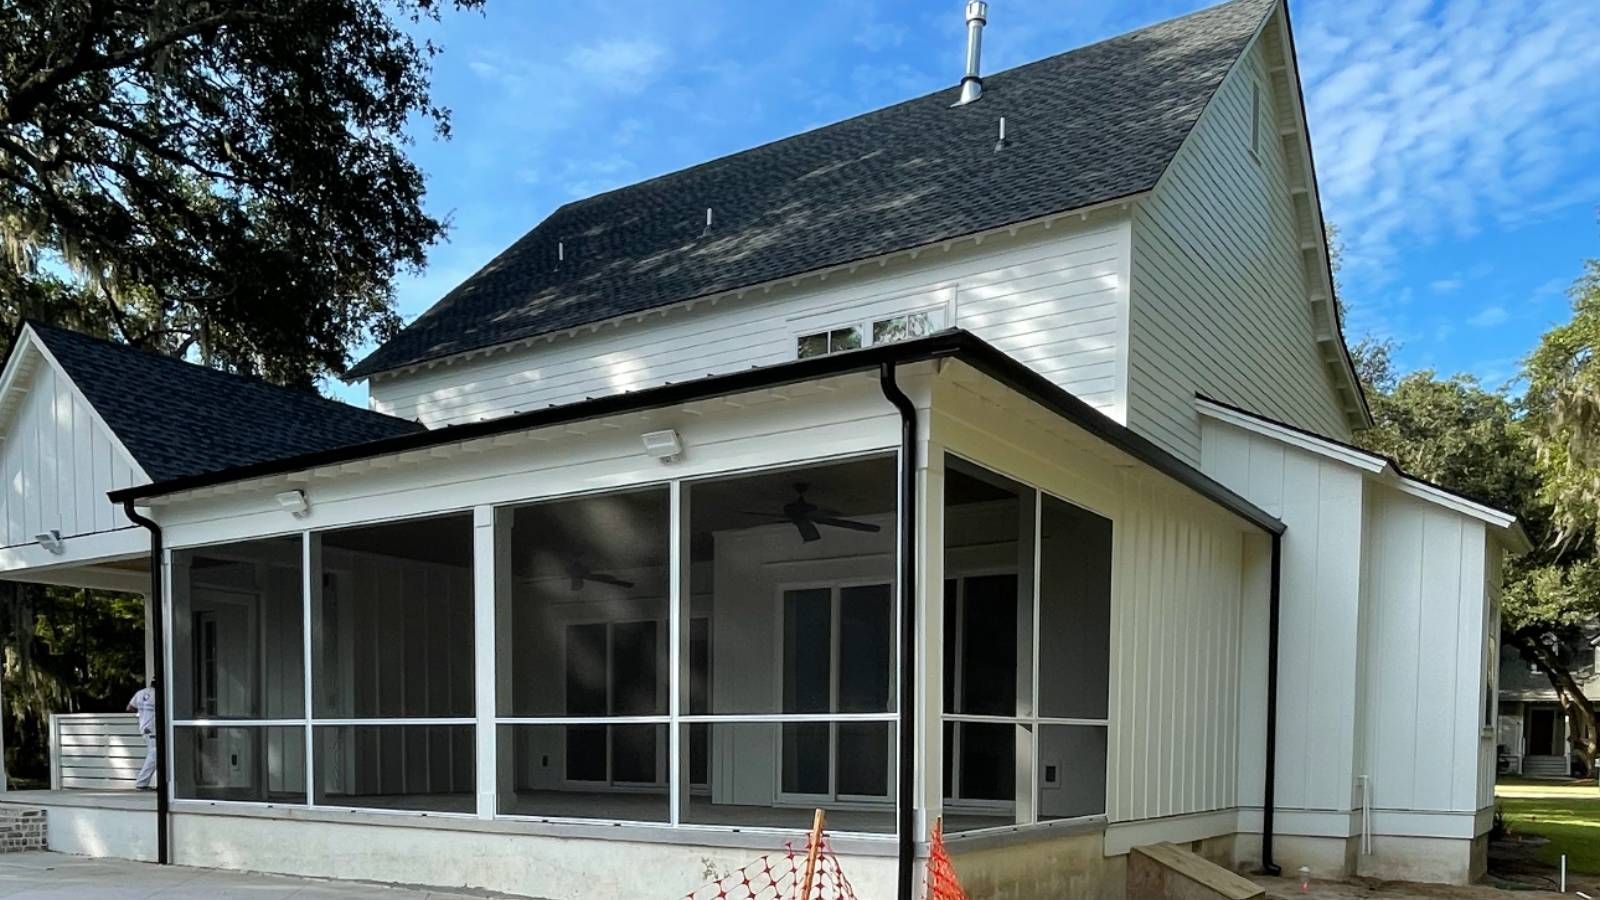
x=972, y=81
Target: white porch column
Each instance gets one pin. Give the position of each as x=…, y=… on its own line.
x=149, y=639
x=488, y=572
x=929, y=667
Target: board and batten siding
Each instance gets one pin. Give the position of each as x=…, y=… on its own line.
x=1188, y=596
x=59, y=462
x=1424, y=691
x=1056, y=300
x=1220, y=295
x=1320, y=502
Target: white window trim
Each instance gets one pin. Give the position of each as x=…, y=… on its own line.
x=936, y=312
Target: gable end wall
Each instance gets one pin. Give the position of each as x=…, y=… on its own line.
x=1218, y=284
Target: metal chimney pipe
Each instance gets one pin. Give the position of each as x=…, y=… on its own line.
x=972, y=82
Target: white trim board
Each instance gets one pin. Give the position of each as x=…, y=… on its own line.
x=1372, y=464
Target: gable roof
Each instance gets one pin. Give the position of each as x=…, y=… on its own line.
x=1386, y=467
x=179, y=419
x=1085, y=127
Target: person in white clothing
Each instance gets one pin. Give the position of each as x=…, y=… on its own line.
x=144, y=703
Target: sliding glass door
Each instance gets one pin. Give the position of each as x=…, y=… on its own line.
x=837, y=658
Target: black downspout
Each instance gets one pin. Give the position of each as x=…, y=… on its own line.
x=158, y=625
x=1267, y=865
x=908, y=631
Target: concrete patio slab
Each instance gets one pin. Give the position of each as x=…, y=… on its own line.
x=24, y=876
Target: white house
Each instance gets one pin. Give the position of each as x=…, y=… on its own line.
x=984, y=458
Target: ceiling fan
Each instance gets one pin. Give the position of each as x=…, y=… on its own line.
x=582, y=574
x=806, y=516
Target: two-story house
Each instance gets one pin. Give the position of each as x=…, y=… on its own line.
x=981, y=460
x=1537, y=736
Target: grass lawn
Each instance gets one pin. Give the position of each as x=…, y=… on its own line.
x=1568, y=813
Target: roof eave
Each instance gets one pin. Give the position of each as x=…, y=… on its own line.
x=948, y=344
x=360, y=371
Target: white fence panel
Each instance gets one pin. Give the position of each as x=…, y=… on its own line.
x=95, y=751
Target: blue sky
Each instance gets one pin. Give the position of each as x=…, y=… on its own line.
x=1457, y=143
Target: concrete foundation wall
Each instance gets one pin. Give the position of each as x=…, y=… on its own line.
x=557, y=868
x=1043, y=869
x=1443, y=860
x=91, y=831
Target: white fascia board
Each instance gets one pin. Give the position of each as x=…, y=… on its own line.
x=1374, y=465
x=1350, y=456
x=99, y=421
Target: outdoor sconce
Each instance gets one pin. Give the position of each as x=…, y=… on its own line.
x=51, y=541
x=663, y=445
x=295, y=502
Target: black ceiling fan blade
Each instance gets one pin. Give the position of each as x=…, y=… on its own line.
x=847, y=523
x=808, y=530
x=765, y=515
x=601, y=578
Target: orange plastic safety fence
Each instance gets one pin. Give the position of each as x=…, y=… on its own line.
x=942, y=883
x=778, y=877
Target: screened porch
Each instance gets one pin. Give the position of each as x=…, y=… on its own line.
x=713, y=652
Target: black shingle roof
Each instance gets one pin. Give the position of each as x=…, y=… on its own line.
x=179, y=419
x=1084, y=127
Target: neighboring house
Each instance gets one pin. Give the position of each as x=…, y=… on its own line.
x=920, y=466
x=1535, y=733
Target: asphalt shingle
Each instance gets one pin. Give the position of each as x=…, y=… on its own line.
x=178, y=418
x=1084, y=127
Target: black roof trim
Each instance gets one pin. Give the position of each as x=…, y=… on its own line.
x=948, y=344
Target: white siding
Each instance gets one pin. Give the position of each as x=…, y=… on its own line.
x=59, y=462
x=1426, y=634
x=1176, y=630
x=1320, y=502
x=1055, y=300
x=1219, y=283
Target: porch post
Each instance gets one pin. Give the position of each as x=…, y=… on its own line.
x=149, y=640
x=487, y=572
x=930, y=641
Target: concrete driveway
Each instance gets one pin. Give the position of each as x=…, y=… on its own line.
x=55, y=875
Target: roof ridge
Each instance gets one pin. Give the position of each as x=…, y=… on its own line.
x=193, y=367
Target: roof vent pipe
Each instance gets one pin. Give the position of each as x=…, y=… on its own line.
x=972, y=82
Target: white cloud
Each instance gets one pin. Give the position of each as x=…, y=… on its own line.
x=1445, y=285
x=1489, y=316
x=621, y=64
x=1448, y=115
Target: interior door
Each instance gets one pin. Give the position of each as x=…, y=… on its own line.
x=225, y=663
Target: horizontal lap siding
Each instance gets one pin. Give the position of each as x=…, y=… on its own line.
x=58, y=464
x=1220, y=291
x=1056, y=302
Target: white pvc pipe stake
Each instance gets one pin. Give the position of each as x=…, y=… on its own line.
x=1563, y=873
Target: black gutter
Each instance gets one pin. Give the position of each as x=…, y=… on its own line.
x=1269, y=798
x=158, y=625
x=908, y=637
x=951, y=343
